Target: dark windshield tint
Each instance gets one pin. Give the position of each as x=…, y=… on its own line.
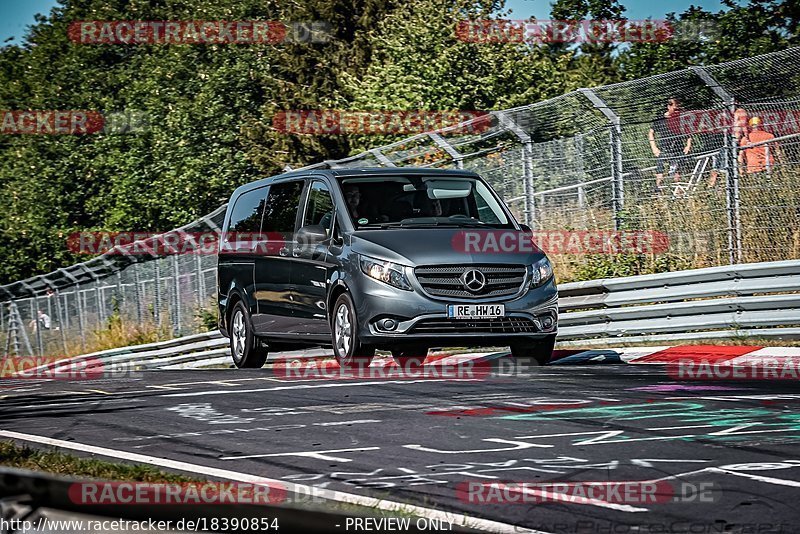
x=421, y=200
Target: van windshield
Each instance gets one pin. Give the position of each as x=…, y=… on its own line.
x=406, y=201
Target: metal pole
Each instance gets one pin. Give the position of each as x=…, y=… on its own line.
x=528, y=185
x=119, y=294
x=157, y=304
x=528, y=189
x=732, y=200
x=177, y=324
x=201, y=283
x=137, y=293
x=61, y=326
x=39, y=344
x=81, y=318
x=447, y=147
x=615, y=149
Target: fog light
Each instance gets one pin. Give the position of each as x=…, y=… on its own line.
x=547, y=322
x=388, y=324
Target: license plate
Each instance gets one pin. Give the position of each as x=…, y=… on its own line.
x=475, y=311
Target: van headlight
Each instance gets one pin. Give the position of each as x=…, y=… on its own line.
x=387, y=272
x=541, y=272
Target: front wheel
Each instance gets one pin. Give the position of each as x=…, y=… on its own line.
x=347, y=347
x=245, y=348
x=538, y=350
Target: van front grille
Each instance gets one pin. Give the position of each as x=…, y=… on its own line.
x=446, y=280
x=503, y=325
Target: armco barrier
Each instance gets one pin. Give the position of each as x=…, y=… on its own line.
x=747, y=300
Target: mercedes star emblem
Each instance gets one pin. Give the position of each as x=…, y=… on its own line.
x=473, y=280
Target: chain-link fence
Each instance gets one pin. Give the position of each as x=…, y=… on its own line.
x=723, y=185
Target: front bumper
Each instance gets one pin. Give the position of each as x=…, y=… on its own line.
x=419, y=317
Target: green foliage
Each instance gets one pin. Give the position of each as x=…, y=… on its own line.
x=742, y=30
x=208, y=316
x=209, y=108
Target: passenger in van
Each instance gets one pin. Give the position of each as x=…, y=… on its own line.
x=352, y=195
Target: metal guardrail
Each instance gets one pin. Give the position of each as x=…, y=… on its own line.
x=747, y=300
x=188, y=352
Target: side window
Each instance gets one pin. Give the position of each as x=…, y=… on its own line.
x=319, y=208
x=246, y=214
x=280, y=212
x=245, y=220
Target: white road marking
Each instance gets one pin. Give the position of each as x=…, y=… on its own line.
x=759, y=478
x=306, y=386
x=318, y=455
x=648, y=462
x=332, y=495
x=515, y=446
x=345, y=423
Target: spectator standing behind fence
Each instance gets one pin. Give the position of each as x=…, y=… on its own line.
x=669, y=148
x=717, y=141
x=42, y=321
x=757, y=158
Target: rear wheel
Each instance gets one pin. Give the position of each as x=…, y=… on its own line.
x=347, y=347
x=245, y=348
x=537, y=350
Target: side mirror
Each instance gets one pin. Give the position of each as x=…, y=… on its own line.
x=525, y=228
x=311, y=234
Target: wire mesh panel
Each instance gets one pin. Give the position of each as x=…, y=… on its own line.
x=707, y=157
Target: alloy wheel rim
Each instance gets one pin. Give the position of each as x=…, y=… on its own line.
x=342, y=327
x=239, y=335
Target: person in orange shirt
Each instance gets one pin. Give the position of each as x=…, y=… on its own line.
x=754, y=159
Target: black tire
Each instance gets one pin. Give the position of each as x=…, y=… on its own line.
x=536, y=350
x=347, y=347
x=410, y=356
x=246, y=351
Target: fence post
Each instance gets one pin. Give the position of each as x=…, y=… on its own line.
x=39, y=345
x=61, y=326
x=118, y=303
x=732, y=200
x=201, y=283
x=527, y=164
x=615, y=147
x=381, y=157
x=157, y=295
x=176, y=325
x=77, y=292
x=138, y=296
x=447, y=147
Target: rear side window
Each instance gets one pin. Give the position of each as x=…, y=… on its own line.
x=247, y=212
x=280, y=212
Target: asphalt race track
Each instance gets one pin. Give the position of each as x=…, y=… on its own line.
x=726, y=451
